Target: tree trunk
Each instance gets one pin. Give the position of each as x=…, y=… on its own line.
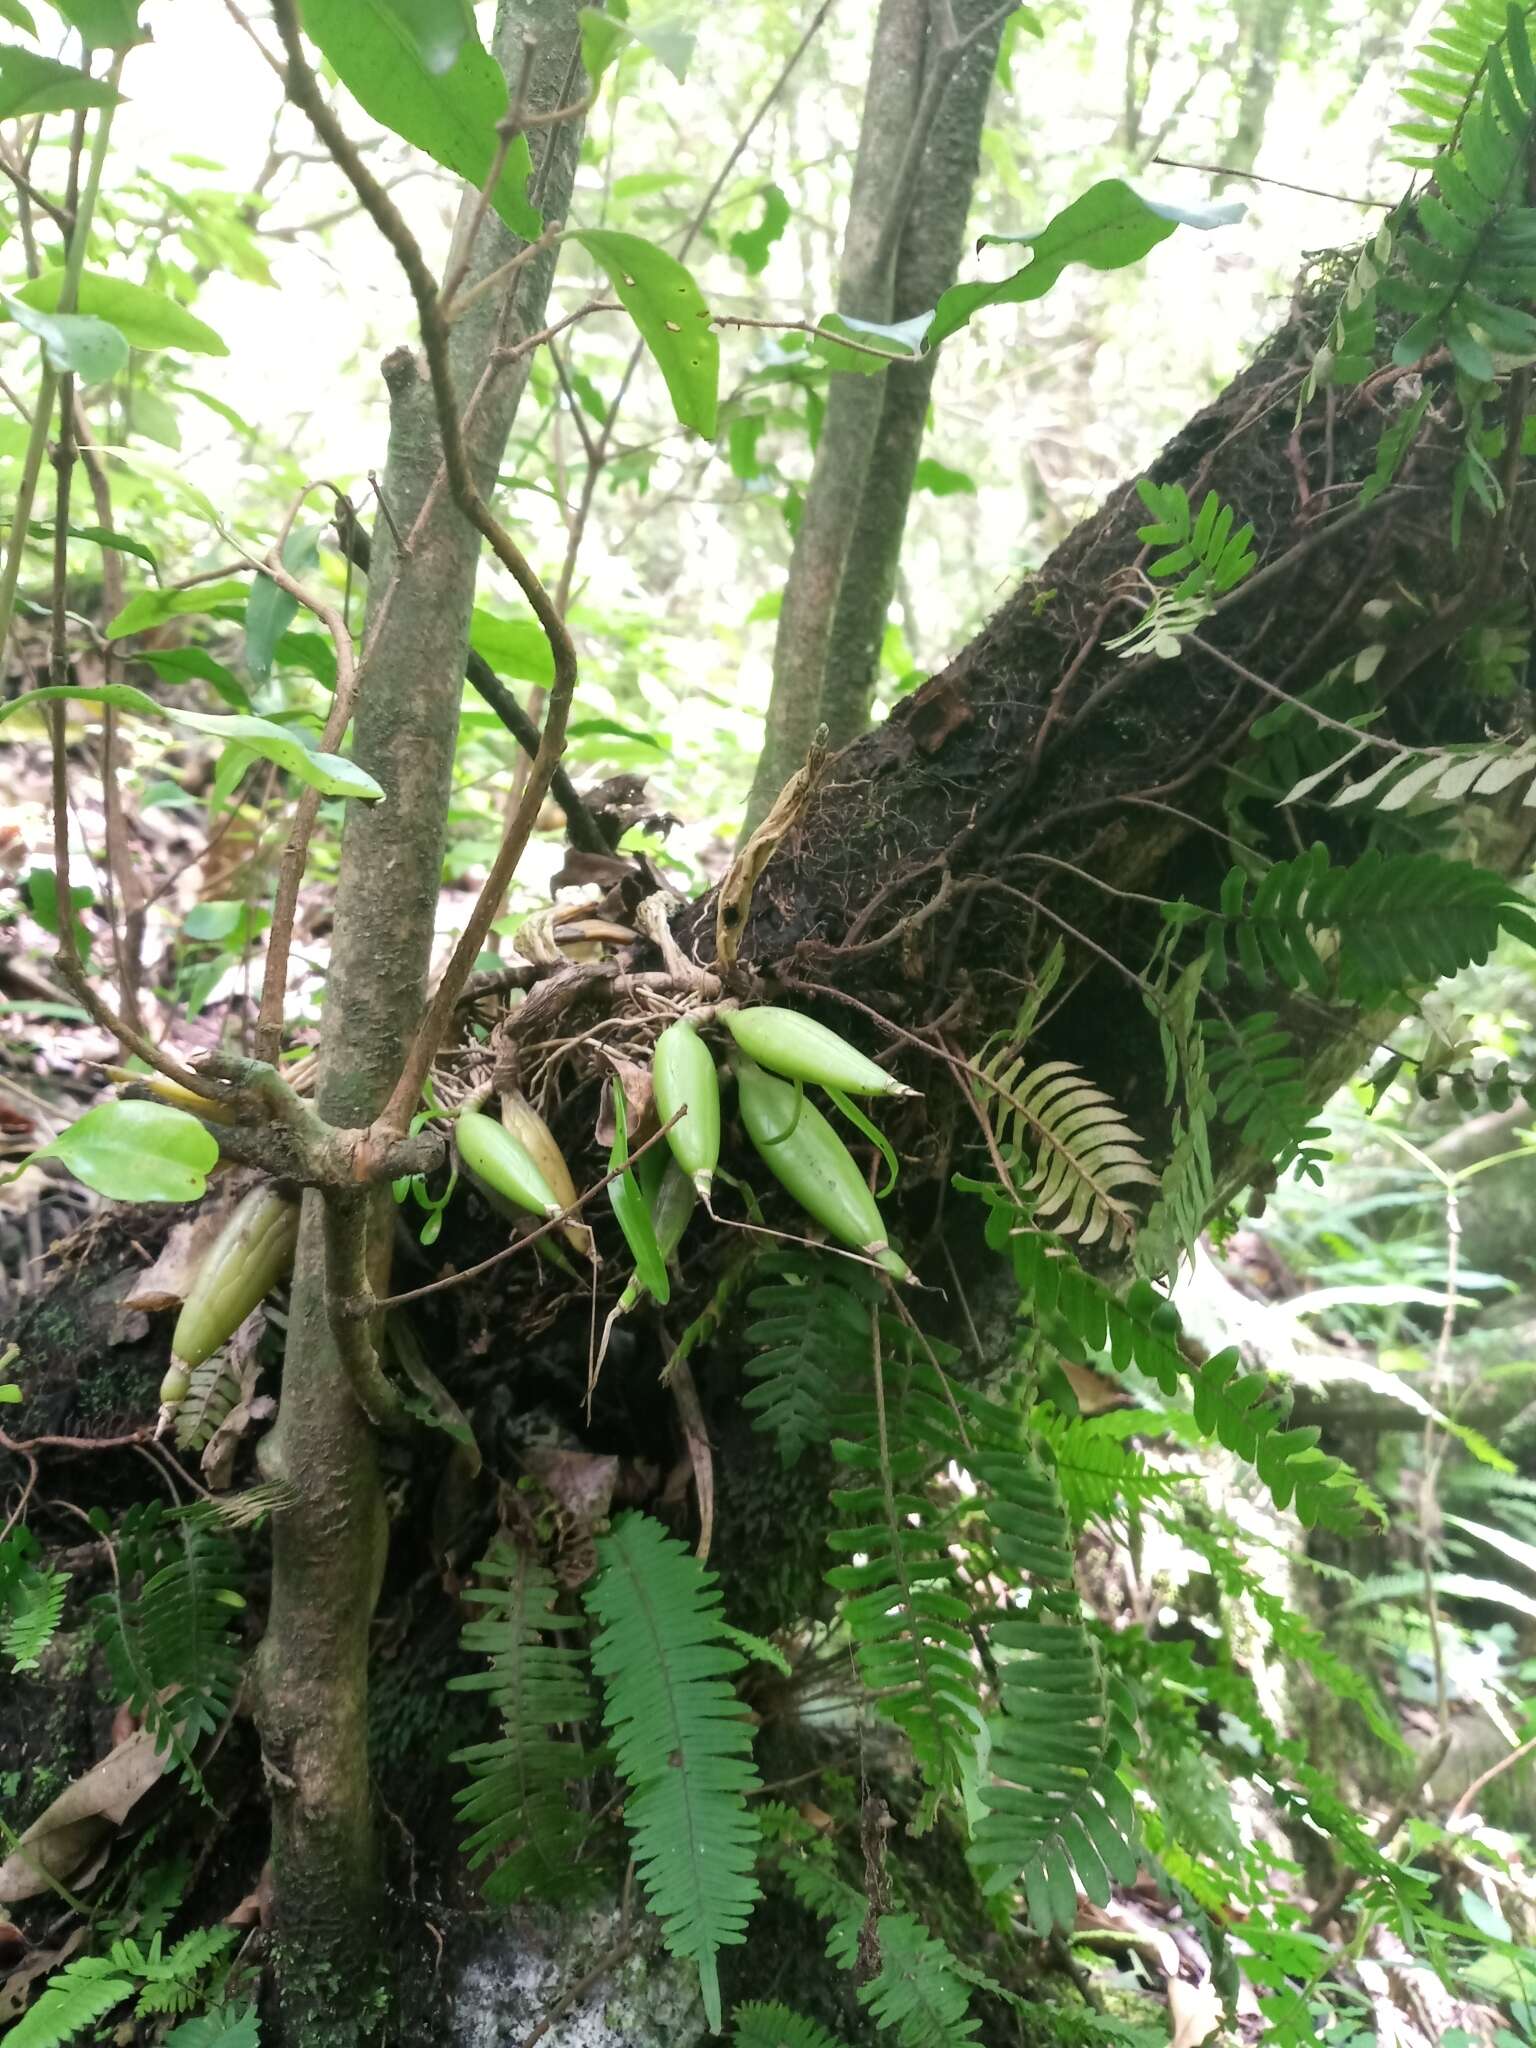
x=916, y=166
x=328, y=1547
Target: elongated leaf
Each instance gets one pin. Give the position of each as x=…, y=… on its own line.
x=103, y=537
x=145, y=319
x=137, y=1152
x=30, y=84
x=633, y=1211
x=74, y=343
x=513, y=647
x=666, y=305
x=1106, y=228
x=154, y=607
x=183, y=664
x=270, y=610
x=331, y=774
x=899, y=341
x=452, y=114
x=437, y=29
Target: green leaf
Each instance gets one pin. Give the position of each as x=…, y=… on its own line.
x=42, y=891
x=666, y=305
x=451, y=114
x=437, y=29
x=331, y=774
x=13, y=12
x=136, y=1152
x=942, y=481
x=898, y=341
x=183, y=664
x=30, y=84
x=103, y=24
x=603, y=36
x=1106, y=228
x=145, y=319
x=223, y=2027
x=751, y=246
x=154, y=607
x=633, y=1211
x=270, y=610
x=103, y=537
x=513, y=647
x=75, y=344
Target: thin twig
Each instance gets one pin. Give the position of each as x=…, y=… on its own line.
x=1176, y=163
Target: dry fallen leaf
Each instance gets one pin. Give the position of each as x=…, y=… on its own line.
x=67, y=1833
x=1194, y=2011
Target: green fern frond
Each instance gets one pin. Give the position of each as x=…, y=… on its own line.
x=917, y=1993
x=173, y=1655
x=902, y=1601
x=1083, y=1150
x=775, y=2026
x=1096, y=1472
x=1186, y=1192
x=1448, y=76
x=224, y=2027
x=169, y=1982
x=1203, y=552
x=1364, y=932
x=517, y=1792
x=74, y=1998
x=682, y=1738
x=1245, y=1412
x=1261, y=1091
x=1056, y=1804
x=1472, y=268
x=810, y=1338
x=31, y=1601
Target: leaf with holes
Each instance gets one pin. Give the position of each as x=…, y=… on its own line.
x=666, y=305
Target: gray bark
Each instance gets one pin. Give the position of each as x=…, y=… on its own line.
x=328, y=1547
x=852, y=422
x=927, y=265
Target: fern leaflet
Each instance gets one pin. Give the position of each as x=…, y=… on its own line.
x=811, y=1336
x=224, y=2027
x=775, y=2026
x=683, y=1742
x=1205, y=555
x=1450, y=72
x=31, y=1601
x=173, y=1656
x=1392, y=923
x=517, y=1790
x=1245, y=1412
x=84, y=1991
x=1084, y=1151
x=1261, y=1091
x=213, y=1392
x=918, y=1993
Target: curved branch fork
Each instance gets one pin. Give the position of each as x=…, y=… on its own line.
x=286, y=1138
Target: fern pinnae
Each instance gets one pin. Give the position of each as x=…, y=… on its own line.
x=760, y=2025
x=1084, y=1151
x=909, y=1623
x=516, y=1797
x=682, y=1740
x=31, y=1601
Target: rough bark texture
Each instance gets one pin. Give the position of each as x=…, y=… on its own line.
x=1008, y=800
x=852, y=420
x=926, y=266
x=328, y=1547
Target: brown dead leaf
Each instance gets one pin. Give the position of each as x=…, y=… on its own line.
x=42, y=1962
x=67, y=1833
x=1096, y=1394
x=635, y=1080
x=1194, y=2012
x=733, y=904
x=165, y=1284
x=581, y=1482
